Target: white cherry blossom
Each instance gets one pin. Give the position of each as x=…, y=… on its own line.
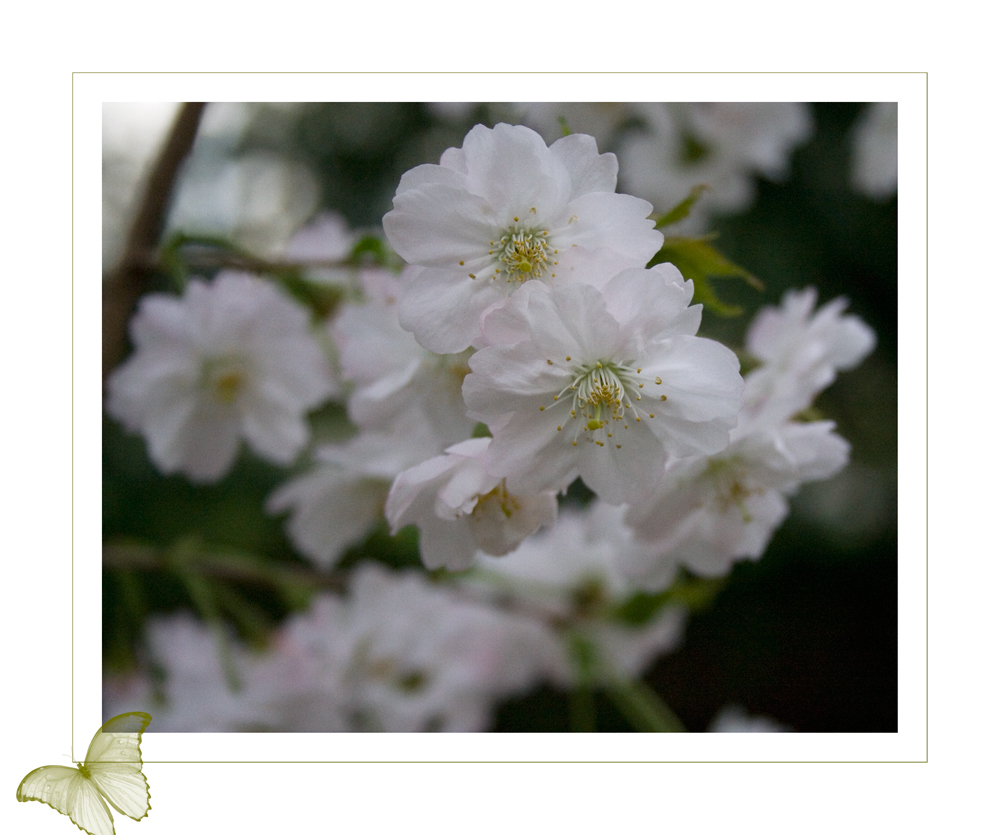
x=398, y=654
x=601, y=384
x=718, y=144
x=460, y=508
x=572, y=571
x=397, y=382
x=342, y=496
x=709, y=512
x=801, y=350
x=228, y=360
x=875, y=150
x=201, y=679
x=502, y=210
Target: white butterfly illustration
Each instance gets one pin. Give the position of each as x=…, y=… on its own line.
x=112, y=771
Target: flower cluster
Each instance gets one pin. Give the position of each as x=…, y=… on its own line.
x=526, y=345
x=586, y=363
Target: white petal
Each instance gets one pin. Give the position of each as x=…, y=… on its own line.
x=440, y=226
x=626, y=474
x=442, y=309
x=588, y=169
x=613, y=221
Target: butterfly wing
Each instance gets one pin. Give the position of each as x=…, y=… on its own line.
x=68, y=791
x=114, y=762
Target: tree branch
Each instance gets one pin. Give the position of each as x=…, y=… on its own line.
x=127, y=281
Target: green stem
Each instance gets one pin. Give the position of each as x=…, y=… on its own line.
x=582, y=710
x=640, y=704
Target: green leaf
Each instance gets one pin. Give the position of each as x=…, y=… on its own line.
x=682, y=209
x=371, y=247
x=699, y=261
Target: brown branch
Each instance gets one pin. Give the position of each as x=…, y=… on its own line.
x=127, y=281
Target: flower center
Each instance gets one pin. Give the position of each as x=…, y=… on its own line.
x=603, y=392
x=732, y=486
x=495, y=503
x=224, y=379
x=523, y=254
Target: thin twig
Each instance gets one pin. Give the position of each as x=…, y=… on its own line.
x=218, y=567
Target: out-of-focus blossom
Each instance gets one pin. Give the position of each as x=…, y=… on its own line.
x=327, y=237
x=719, y=144
x=502, y=210
x=228, y=360
x=601, y=384
x=398, y=654
x=571, y=571
x=734, y=719
x=802, y=350
x=396, y=382
x=875, y=150
x=342, y=496
x=460, y=508
x=197, y=693
x=709, y=512
x=258, y=200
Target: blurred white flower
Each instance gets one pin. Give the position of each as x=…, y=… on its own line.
x=342, y=496
x=875, y=150
x=601, y=384
x=197, y=691
x=257, y=200
x=505, y=209
x=801, y=350
x=398, y=654
x=327, y=237
x=571, y=570
x=719, y=144
x=396, y=382
x=227, y=360
x=733, y=719
x=460, y=508
x=709, y=512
